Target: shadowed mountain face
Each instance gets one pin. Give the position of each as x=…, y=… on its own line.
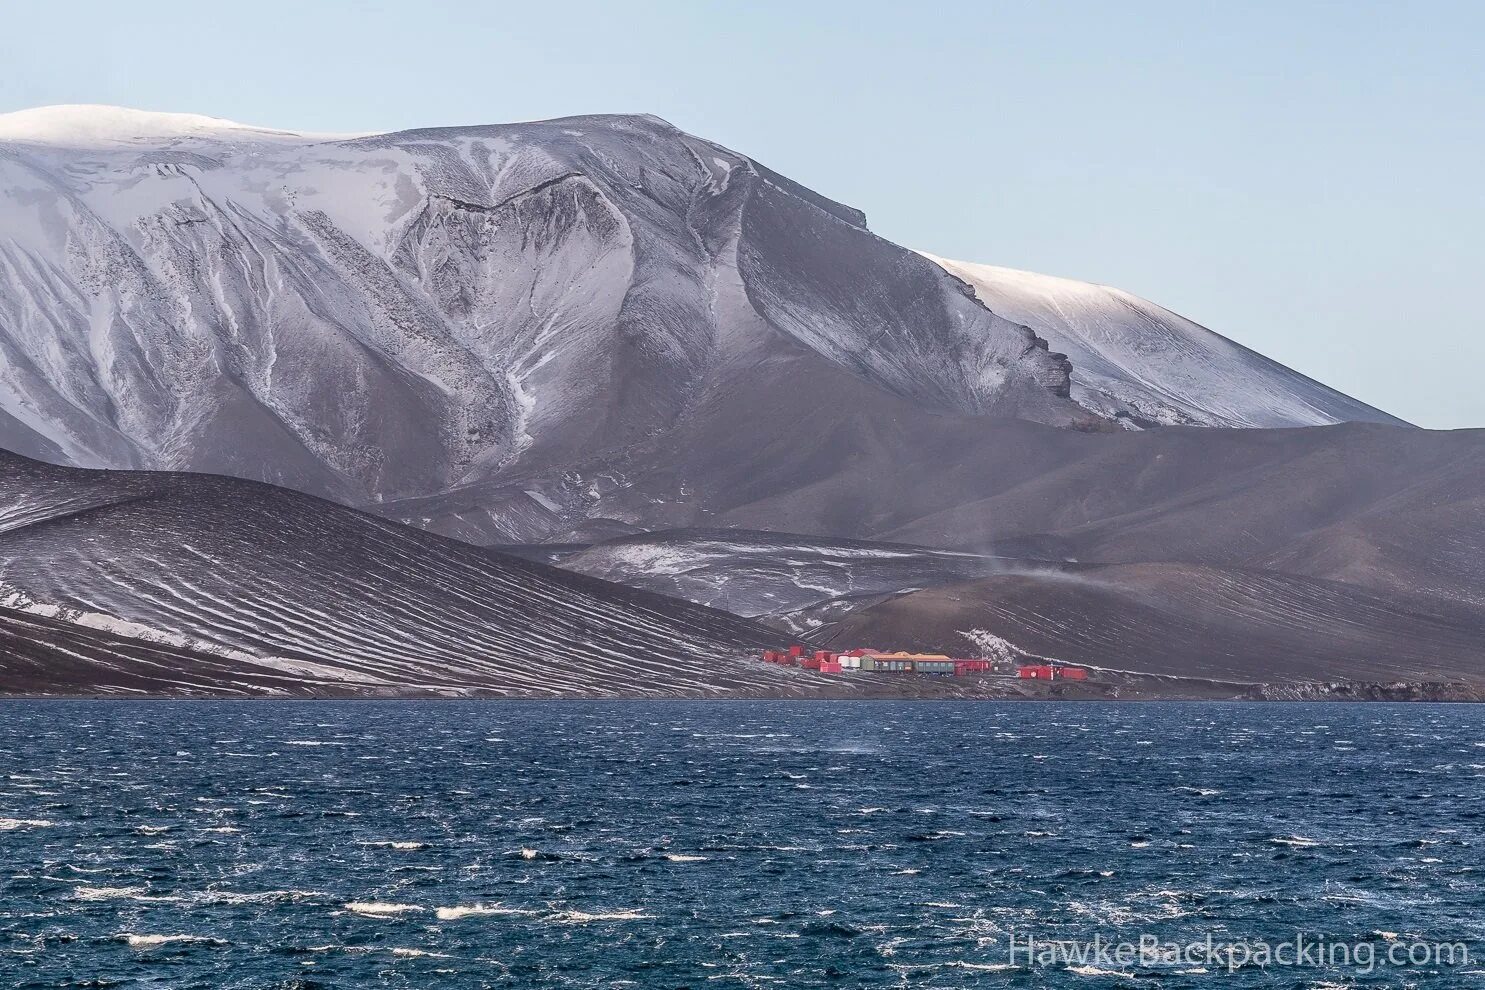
x=501, y=333
x=186, y=581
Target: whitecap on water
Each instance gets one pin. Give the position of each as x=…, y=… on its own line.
x=405, y=846
x=10, y=824
x=150, y=941
x=1094, y=971
x=118, y=894
x=459, y=911
x=584, y=917
x=254, y=897
x=681, y=858
x=380, y=909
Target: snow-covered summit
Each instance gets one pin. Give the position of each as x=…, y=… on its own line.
x=92, y=125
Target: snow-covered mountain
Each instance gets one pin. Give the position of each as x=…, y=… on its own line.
x=1148, y=366
x=503, y=332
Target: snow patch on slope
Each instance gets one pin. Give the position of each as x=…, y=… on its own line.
x=1149, y=366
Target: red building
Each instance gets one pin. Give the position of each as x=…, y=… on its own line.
x=1047, y=672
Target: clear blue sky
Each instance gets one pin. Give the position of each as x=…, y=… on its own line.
x=1303, y=177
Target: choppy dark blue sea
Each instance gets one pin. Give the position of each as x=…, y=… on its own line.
x=677, y=844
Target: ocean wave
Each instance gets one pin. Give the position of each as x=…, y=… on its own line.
x=1296, y=841
x=381, y=909
x=150, y=941
x=141, y=894
x=574, y=917
x=460, y=911
x=256, y=897
x=981, y=967
x=1094, y=971
x=404, y=846
x=10, y=824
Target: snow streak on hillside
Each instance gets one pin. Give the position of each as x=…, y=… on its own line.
x=770, y=575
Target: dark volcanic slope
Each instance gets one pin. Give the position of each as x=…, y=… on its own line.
x=1251, y=498
x=339, y=597
x=1230, y=496
x=1379, y=531
x=41, y=655
x=1192, y=620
